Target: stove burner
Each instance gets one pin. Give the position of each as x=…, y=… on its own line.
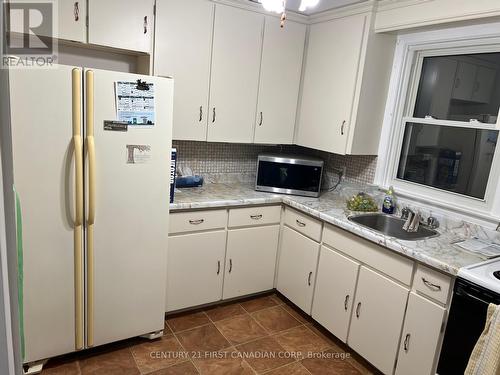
x=497, y=274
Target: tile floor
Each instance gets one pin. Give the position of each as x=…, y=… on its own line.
x=261, y=335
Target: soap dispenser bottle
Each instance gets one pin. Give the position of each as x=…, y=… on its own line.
x=389, y=204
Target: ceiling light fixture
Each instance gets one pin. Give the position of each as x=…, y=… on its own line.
x=279, y=6
x=304, y=4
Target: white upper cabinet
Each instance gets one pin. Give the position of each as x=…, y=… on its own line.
x=72, y=20
x=187, y=60
x=124, y=24
x=236, y=56
x=399, y=15
x=345, y=86
x=71, y=16
x=281, y=68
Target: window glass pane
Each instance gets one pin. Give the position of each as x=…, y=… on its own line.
x=448, y=158
x=460, y=88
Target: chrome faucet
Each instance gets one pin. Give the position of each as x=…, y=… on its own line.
x=414, y=220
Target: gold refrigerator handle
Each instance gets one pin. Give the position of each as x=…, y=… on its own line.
x=91, y=213
x=78, y=149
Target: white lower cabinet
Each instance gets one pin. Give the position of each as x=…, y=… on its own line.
x=420, y=339
x=334, y=294
x=195, y=269
x=377, y=319
x=297, y=268
x=250, y=260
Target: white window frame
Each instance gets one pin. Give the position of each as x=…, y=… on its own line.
x=410, y=50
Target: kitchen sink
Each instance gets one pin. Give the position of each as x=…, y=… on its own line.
x=392, y=226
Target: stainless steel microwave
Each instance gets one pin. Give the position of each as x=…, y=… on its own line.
x=286, y=174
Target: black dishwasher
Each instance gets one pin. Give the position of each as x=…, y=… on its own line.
x=465, y=324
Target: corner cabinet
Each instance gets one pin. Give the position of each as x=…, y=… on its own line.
x=187, y=59
x=123, y=24
x=345, y=85
x=280, y=72
x=234, y=83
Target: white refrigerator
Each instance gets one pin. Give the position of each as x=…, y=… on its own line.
x=94, y=220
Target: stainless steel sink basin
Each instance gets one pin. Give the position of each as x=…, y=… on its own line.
x=392, y=226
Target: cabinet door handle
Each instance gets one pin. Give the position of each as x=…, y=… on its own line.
x=300, y=223
x=358, y=308
x=256, y=217
x=145, y=24
x=76, y=11
x=213, y=116
x=457, y=83
x=196, y=222
x=346, y=302
x=406, y=344
x=230, y=265
x=201, y=113
x=261, y=119
x=309, y=278
x=218, y=267
x=431, y=286
x=342, y=127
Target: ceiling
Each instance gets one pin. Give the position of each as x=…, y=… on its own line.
x=323, y=5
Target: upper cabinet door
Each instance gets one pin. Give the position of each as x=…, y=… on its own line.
x=187, y=59
x=236, y=59
x=279, y=81
x=331, y=73
x=72, y=16
x=124, y=24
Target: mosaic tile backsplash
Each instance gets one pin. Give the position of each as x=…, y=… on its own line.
x=219, y=162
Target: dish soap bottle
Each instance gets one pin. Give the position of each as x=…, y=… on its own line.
x=389, y=204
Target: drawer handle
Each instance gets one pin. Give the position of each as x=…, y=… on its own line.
x=407, y=343
x=358, y=308
x=430, y=285
x=309, y=278
x=300, y=223
x=197, y=222
x=256, y=217
x=346, y=302
x=218, y=267
x=230, y=265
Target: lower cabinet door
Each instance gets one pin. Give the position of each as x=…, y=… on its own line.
x=297, y=268
x=334, y=293
x=377, y=320
x=250, y=260
x=420, y=339
x=195, y=269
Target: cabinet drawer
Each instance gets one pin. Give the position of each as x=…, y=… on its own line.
x=303, y=224
x=432, y=283
x=241, y=217
x=197, y=220
x=369, y=253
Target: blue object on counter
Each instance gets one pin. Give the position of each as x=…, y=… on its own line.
x=389, y=204
x=188, y=181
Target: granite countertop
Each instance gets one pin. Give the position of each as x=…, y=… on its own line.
x=438, y=252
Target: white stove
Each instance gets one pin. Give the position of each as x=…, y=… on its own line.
x=485, y=274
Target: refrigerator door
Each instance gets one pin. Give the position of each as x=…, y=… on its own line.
x=44, y=146
x=128, y=207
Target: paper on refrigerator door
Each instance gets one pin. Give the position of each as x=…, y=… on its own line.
x=135, y=103
x=138, y=154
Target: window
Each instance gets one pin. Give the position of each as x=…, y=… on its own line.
x=449, y=141
x=441, y=126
